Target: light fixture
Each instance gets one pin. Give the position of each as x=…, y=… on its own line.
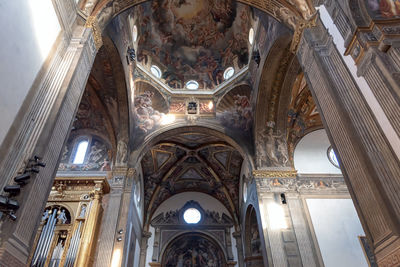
x=192, y=85
x=131, y=54
x=251, y=36
x=283, y=199
x=167, y=119
x=192, y=216
x=134, y=33
x=277, y=220
x=156, y=71
x=228, y=73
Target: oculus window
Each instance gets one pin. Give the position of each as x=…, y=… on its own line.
x=332, y=157
x=228, y=73
x=192, y=85
x=156, y=71
x=192, y=216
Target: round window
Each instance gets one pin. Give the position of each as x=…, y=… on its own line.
x=332, y=157
x=156, y=71
x=192, y=85
x=228, y=73
x=192, y=216
x=251, y=36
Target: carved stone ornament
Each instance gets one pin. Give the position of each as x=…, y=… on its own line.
x=302, y=185
x=92, y=23
x=274, y=173
x=175, y=218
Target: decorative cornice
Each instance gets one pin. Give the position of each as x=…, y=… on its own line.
x=302, y=185
x=274, y=173
x=298, y=33
x=83, y=181
x=92, y=23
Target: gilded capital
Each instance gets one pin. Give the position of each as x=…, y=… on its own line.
x=92, y=23
x=274, y=173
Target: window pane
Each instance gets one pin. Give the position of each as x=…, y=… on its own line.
x=80, y=152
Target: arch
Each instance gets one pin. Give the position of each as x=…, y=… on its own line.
x=271, y=81
x=252, y=238
x=181, y=127
x=197, y=242
x=283, y=11
x=68, y=214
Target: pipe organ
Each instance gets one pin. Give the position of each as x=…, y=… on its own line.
x=69, y=225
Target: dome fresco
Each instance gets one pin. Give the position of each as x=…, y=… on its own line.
x=192, y=40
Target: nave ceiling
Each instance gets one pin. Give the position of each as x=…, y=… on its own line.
x=191, y=161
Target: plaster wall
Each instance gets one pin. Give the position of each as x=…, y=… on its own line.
x=28, y=30
x=310, y=155
x=337, y=228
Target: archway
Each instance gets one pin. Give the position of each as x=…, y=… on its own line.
x=252, y=239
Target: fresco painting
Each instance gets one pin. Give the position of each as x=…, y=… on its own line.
x=235, y=111
x=193, y=251
x=384, y=9
x=192, y=40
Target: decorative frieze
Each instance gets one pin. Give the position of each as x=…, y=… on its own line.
x=303, y=185
x=275, y=173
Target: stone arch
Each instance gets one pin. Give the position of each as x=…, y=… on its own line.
x=155, y=137
x=252, y=238
x=299, y=12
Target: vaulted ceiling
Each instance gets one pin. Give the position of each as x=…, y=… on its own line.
x=192, y=161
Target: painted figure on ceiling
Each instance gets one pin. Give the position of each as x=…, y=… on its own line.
x=384, y=9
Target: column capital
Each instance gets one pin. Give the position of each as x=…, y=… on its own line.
x=275, y=173
x=93, y=24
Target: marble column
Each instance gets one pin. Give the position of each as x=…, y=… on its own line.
x=301, y=230
x=369, y=164
x=375, y=50
x=274, y=236
x=42, y=132
x=110, y=222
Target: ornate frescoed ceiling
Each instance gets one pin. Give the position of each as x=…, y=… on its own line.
x=191, y=162
x=191, y=40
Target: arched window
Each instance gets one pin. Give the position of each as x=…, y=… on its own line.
x=80, y=152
